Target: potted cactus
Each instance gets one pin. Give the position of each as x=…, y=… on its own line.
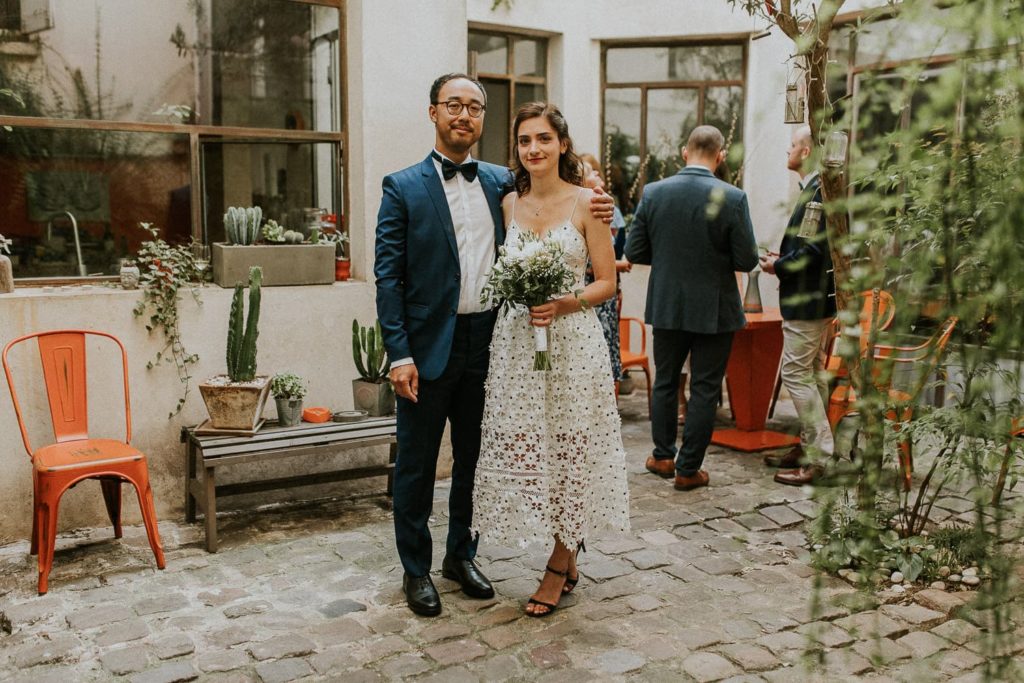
x=235, y=401
x=288, y=390
x=372, y=392
x=283, y=255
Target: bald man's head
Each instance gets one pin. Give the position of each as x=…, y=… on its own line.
x=800, y=149
x=705, y=147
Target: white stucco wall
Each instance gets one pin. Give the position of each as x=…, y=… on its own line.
x=394, y=49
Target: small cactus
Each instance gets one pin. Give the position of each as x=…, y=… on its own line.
x=369, y=342
x=242, y=226
x=293, y=237
x=241, y=351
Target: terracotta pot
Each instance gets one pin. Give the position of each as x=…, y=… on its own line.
x=342, y=269
x=235, y=405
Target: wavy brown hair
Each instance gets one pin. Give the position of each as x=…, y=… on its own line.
x=569, y=164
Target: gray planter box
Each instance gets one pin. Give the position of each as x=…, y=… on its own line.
x=376, y=399
x=282, y=264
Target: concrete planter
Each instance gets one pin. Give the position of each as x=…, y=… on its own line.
x=235, y=405
x=375, y=399
x=283, y=264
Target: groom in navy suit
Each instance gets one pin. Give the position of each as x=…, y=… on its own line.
x=438, y=230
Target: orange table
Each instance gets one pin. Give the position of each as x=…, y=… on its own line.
x=751, y=375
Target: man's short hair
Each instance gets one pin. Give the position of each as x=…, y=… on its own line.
x=705, y=141
x=435, y=89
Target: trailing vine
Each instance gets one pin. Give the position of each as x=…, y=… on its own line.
x=166, y=270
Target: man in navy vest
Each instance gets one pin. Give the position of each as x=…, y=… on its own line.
x=807, y=294
x=438, y=230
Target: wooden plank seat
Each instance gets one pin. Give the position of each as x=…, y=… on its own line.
x=205, y=453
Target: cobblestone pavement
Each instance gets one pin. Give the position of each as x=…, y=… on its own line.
x=710, y=585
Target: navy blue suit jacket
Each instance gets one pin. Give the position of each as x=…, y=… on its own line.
x=807, y=290
x=417, y=262
x=694, y=231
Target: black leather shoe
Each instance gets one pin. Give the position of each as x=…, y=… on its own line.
x=468, y=575
x=421, y=595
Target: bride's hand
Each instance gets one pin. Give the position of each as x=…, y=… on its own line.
x=541, y=316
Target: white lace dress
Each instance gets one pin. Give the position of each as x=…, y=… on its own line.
x=551, y=457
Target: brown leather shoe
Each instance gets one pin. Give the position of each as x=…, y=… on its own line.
x=692, y=482
x=790, y=459
x=805, y=475
x=663, y=467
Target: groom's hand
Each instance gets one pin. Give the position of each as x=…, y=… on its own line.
x=602, y=206
x=406, y=381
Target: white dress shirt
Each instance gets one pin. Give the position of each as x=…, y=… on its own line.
x=474, y=237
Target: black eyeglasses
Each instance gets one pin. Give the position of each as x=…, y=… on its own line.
x=454, y=108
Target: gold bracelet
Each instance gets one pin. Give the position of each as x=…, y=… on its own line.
x=584, y=304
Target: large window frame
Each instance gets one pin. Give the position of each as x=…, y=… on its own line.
x=509, y=76
x=200, y=134
x=646, y=87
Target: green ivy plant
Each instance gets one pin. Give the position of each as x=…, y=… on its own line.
x=165, y=271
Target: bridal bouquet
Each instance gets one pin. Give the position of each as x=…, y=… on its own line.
x=529, y=272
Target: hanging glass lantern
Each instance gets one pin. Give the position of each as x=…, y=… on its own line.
x=794, y=98
x=812, y=219
x=835, y=149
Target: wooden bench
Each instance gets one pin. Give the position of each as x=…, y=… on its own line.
x=273, y=443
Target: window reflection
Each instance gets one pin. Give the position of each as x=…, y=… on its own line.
x=263, y=63
x=283, y=179
x=671, y=115
x=108, y=180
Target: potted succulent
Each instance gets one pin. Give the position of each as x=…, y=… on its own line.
x=235, y=401
x=372, y=392
x=283, y=255
x=342, y=264
x=288, y=390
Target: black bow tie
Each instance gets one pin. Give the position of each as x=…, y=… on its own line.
x=450, y=168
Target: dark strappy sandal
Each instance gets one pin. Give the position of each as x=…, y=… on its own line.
x=551, y=608
x=570, y=582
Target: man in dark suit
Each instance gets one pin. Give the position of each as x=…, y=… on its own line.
x=807, y=297
x=438, y=230
x=695, y=232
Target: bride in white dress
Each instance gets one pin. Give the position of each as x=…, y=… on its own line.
x=551, y=462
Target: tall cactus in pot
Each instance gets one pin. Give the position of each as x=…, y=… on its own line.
x=242, y=226
x=369, y=342
x=372, y=392
x=241, y=352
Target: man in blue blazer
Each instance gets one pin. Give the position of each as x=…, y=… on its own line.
x=438, y=231
x=694, y=231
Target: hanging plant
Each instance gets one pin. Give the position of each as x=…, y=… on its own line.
x=165, y=271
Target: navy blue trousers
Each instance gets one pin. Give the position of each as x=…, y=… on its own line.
x=709, y=354
x=457, y=398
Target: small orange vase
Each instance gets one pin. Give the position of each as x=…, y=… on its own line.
x=342, y=269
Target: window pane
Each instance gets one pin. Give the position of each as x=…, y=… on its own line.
x=492, y=52
x=281, y=178
x=270, y=64
x=671, y=115
x=723, y=108
x=261, y=63
x=530, y=57
x=683, y=63
x=622, y=143
x=528, y=92
x=108, y=180
x=493, y=145
x=896, y=41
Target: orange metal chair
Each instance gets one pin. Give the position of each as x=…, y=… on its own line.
x=900, y=404
x=886, y=314
x=833, y=362
x=632, y=359
x=75, y=456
